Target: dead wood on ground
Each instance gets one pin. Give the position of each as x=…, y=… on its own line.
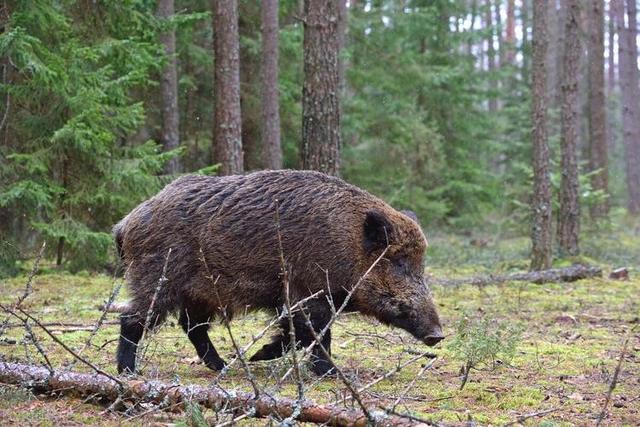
x=172, y=395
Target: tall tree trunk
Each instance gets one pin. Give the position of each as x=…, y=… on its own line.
x=227, y=131
x=510, y=34
x=598, y=158
x=342, y=40
x=611, y=32
x=491, y=57
x=472, y=27
x=321, y=88
x=170, y=133
x=569, y=215
x=628, y=54
x=270, y=94
x=541, y=200
x=611, y=74
x=525, y=11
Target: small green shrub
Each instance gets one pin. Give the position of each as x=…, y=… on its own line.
x=481, y=341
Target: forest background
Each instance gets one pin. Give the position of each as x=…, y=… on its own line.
x=430, y=105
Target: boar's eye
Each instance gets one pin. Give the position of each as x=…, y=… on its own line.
x=401, y=264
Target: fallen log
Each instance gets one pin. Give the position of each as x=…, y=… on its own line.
x=174, y=395
x=566, y=274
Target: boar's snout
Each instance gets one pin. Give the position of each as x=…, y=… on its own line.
x=434, y=337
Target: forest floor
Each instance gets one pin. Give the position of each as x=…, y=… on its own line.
x=563, y=366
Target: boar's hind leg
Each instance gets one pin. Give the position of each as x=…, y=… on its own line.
x=131, y=327
x=195, y=324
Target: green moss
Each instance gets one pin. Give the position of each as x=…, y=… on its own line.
x=570, y=344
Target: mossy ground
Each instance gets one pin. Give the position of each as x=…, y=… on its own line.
x=565, y=360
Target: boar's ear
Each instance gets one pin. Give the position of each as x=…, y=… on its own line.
x=377, y=231
x=411, y=214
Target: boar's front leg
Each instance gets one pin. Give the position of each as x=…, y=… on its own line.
x=195, y=322
x=319, y=314
x=278, y=346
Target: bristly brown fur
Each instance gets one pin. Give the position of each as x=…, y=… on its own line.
x=223, y=230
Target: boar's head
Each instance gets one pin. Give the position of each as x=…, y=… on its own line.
x=395, y=291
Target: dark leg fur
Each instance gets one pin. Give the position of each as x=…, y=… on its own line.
x=195, y=324
x=319, y=315
x=278, y=346
x=130, y=333
x=131, y=328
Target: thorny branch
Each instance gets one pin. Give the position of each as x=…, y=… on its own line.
x=27, y=288
x=147, y=322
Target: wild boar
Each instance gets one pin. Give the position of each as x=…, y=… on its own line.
x=225, y=255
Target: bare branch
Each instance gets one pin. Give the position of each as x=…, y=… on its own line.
x=614, y=380
x=27, y=287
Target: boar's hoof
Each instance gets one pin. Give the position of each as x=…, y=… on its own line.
x=214, y=363
x=323, y=368
x=269, y=351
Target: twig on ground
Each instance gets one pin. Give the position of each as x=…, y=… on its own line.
x=36, y=343
x=100, y=322
x=58, y=341
x=614, y=380
x=341, y=374
x=392, y=411
x=394, y=371
x=410, y=386
x=522, y=418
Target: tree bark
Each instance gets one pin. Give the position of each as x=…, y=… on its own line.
x=101, y=387
x=569, y=215
x=627, y=56
x=611, y=74
x=598, y=157
x=227, y=131
x=525, y=14
x=491, y=57
x=321, y=139
x=510, y=33
x=270, y=94
x=541, y=200
x=170, y=133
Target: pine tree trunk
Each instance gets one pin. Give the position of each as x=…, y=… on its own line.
x=474, y=16
x=491, y=57
x=629, y=80
x=510, y=33
x=227, y=132
x=541, y=201
x=569, y=215
x=611, y=75
x=170, y=133
x=270, y=94
x=598, y=158
x=342, y=39
x=525, y=10
x=320, y=93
